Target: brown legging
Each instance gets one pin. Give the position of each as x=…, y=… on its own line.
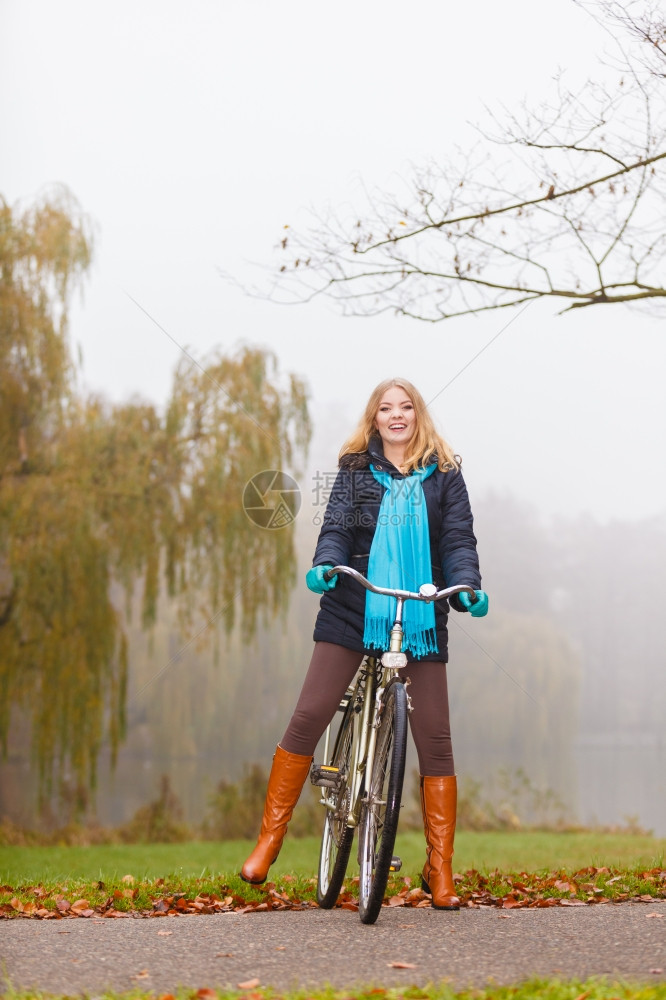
x=331, y=671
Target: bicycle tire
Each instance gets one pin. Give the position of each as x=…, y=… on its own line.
x=381, y=809
x=337, y=837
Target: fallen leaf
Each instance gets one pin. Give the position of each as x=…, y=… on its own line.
x=164, y=933
x=144, y=974
x=658, y=916
x=400, y=965
x=205, y=994
x=417, y=893
x=564, y=886
x=224, y=954
x=656, y=972
x=250, y=984
x=128, y=878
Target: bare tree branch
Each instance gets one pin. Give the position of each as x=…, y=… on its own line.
x=547, y=219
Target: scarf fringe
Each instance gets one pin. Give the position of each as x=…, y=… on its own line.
x=418, y=641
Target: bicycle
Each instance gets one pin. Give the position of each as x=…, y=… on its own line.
x=362, y=777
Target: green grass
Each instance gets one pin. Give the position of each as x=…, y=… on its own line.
x=533, y=851
x=525, y=866
x=197, y=868
x=549, y=989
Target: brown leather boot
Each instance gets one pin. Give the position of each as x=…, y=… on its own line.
x=286, y=780
x=439, y=798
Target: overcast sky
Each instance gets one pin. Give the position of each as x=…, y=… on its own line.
x=192, y=133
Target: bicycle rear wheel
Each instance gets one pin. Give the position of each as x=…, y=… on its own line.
x=337, y=837
x=381, y=810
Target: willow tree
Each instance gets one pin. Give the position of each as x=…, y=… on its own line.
x=97, y=499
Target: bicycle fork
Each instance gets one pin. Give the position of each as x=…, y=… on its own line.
x=388, y=675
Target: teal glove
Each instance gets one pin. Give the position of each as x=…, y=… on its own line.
x=480, y=606
x=314, y=578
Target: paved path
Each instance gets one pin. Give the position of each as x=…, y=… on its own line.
x=292, y=949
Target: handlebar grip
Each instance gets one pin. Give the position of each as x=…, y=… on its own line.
x=329, y=574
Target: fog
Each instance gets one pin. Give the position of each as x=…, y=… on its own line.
x=191, y=136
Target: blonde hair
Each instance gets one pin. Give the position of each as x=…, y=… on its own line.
x=425, y=444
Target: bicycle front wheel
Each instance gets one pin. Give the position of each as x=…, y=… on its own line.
x=337, y=837
x=381, y=809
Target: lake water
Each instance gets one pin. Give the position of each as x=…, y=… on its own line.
x=617, y=781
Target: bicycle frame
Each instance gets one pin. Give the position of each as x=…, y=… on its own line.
x=371, y=684
x=367, y=691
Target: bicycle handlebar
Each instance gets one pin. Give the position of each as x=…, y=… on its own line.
x=427, y=591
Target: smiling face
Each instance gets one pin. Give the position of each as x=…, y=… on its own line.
x=395, y=419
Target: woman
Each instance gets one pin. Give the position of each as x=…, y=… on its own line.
x=398, y=513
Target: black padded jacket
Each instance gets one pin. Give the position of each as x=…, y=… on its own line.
x=346, y=536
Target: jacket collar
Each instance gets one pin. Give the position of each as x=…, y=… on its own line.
x=377, y=457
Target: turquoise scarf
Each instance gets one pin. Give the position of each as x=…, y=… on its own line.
x=400, y=558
